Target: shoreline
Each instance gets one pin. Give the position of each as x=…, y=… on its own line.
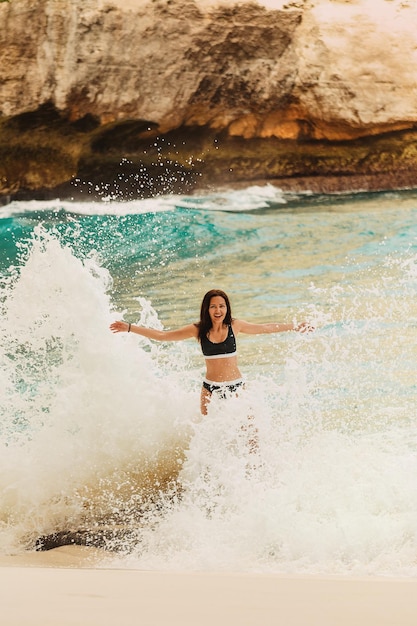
x=39, y=594
x=332, y=185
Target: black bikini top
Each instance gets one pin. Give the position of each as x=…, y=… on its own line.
x=222, y=350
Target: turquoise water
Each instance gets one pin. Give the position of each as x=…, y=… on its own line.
x=94, y=424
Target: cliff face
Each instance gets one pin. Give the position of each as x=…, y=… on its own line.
x=134, y=97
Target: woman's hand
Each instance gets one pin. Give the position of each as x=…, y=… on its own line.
x=304, y=327
x=120, y=327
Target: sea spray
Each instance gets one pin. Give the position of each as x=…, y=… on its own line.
x=87, y=418
x=330, y=488
x=316, y=501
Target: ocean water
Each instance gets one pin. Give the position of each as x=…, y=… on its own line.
x=102, y=432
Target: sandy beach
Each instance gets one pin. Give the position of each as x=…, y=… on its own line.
x=47, y=590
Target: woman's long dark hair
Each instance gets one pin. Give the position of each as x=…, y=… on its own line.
x=205, y=323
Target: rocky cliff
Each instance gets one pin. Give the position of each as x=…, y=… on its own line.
x=129, y=98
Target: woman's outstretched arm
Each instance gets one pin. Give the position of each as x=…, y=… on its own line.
x=270, y=327
x=186, y=332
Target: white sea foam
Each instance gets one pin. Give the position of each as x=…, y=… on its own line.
x=83, y=413
x=247, y=199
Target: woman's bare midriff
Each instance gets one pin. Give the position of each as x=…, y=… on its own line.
x=219, y=371
x=222, y=370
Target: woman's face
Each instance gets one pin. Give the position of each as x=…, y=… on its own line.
x=217, y=309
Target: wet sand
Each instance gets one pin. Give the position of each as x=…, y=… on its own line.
x=63, y=588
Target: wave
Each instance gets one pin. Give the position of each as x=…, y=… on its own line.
x=245, y=199
x=100, y=430
x=250, y=198
x=85, y=417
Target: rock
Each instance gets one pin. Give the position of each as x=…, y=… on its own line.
x=129, y=98
x=113, y=539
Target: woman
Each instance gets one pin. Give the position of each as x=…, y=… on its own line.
x=216, y=332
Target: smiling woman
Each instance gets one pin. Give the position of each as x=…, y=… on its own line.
x=216, y=331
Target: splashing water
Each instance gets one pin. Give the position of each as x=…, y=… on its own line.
x=81, y=419
x=310, y=469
